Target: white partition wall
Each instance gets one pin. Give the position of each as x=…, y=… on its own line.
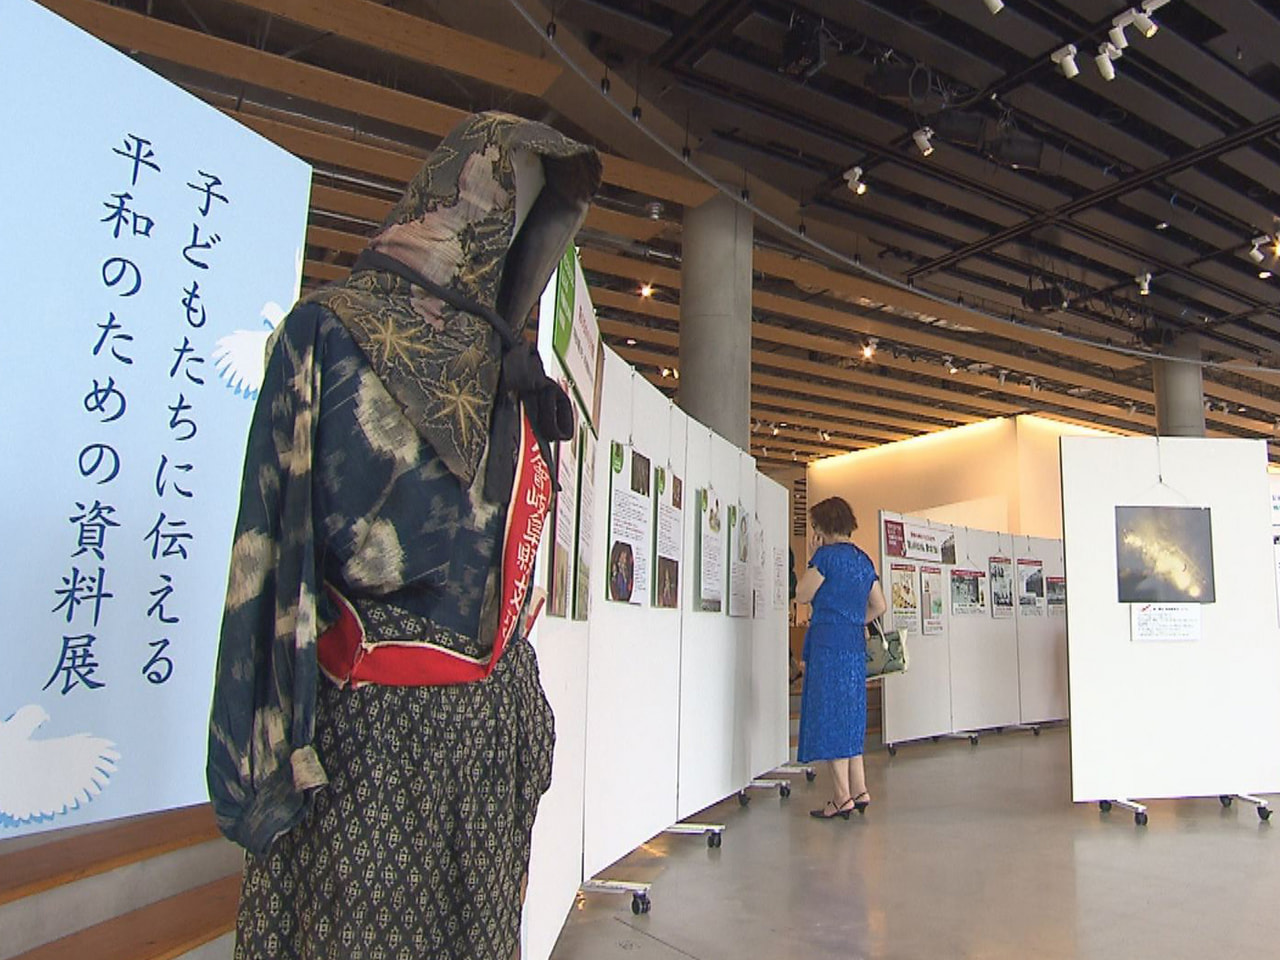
x=1196, y=717
x=984, y=650
x=714, y=654
x=1042, y=643
x=917, y=703
x=771, y=707
x=633, y=661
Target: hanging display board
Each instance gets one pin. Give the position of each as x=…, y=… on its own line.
x=669, y=538
x=709, y=552
x=586, y=522
x=630, y=525
x=984, y=652
x=576, y=335
x=1139, y=709
x=1042, y=641
x=904, y=591
x=565, y=527
x=759, y=568
x=1001, y=587
x=1030, y=586
x=153, y=244
x=739, y=561
x=932, y=600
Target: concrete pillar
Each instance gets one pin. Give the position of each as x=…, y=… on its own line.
x=715, y=318
x=1179, y=391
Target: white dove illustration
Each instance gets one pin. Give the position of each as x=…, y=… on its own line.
x=241, y=356
x=40, y=779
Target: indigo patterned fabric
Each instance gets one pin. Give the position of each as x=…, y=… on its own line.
x=390, y=822
x=833, y=703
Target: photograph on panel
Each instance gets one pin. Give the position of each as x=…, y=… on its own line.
x=1164, y=555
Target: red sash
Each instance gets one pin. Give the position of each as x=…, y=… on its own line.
x=348, y=657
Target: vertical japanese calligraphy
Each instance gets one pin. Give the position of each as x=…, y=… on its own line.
x=153, y=226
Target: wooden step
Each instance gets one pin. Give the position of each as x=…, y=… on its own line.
x=162, y=931
x=32, y=870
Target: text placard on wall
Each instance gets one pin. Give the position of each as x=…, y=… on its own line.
x=160, y=243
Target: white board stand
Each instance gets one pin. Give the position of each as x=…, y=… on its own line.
x=640, y=902
x=714, y=832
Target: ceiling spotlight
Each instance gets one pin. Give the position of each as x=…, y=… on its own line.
x=775, y=430
x=1146, y=26
x=853, y=179
x=995, y=6
x=1255, y=251
x=1162, y=225
x=1116, y=33
x=631, y=341
x=923, y=138
x=1143, y=280
x=646, y=290
x=654, y=209
x=1065, y=58
x=666, y=372
x=675, y=372
x=1107, y=53
x=1264, y=274
x=869, y=349
x=803, y=48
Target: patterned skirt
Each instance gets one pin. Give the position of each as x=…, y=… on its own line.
x=419, y=844
x=833, y=703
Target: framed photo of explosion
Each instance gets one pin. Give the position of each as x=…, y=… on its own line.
x=1164, y=555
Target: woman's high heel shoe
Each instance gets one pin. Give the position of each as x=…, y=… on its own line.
x=860, y=804
x=842, y=811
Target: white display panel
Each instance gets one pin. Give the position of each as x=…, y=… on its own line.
x=984, y=650
x=917, y=703
x=1042, y=643
x=715, y=656
x=151, y=244
x=1176, y=719
x=770, y=697
x=633, y=665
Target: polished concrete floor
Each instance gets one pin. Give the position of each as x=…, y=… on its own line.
x=966, y=852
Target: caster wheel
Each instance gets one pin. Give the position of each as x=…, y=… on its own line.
x=1224, y=800
x=1035, y=731
x=1104, y=806
x=935, y=739
x=640, y=904
x=893, y=750
x=973, y=741
x=1264, y=813
x=713, y=841
x=784, y=791
x=1140, y=819
x=810, y=775
x=743, y=799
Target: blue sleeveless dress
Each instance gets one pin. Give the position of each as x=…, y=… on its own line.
x=833, y=706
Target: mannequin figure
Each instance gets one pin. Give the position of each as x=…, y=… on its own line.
x=379, y=739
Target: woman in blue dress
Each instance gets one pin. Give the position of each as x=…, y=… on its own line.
x=842, y=586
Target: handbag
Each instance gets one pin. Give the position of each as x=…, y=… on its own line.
x=886, y=650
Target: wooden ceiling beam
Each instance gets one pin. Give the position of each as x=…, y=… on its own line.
x=386, y=29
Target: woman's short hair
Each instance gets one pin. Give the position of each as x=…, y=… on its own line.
x=833, y=516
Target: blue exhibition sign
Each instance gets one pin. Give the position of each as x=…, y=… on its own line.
x=150, y=245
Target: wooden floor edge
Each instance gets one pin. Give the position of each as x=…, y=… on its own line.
x=27, y=872
x=164, y=930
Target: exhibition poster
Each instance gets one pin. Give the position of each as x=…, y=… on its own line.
x=1055, y=590
x=1001, y=587
x=153, y=245
x=566, y=515
x=709, y=547
x=739, y=562
x=968, y=592
x=931, y=600
x=1030, y=587
x=781, y=582
x=670, y=538
x=1164, y=555
x=586, y=518
x=914, y=541
x=1164, y=622
x=759, y=569
x=630, y=525
x=575, y=337
x=904, y=597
